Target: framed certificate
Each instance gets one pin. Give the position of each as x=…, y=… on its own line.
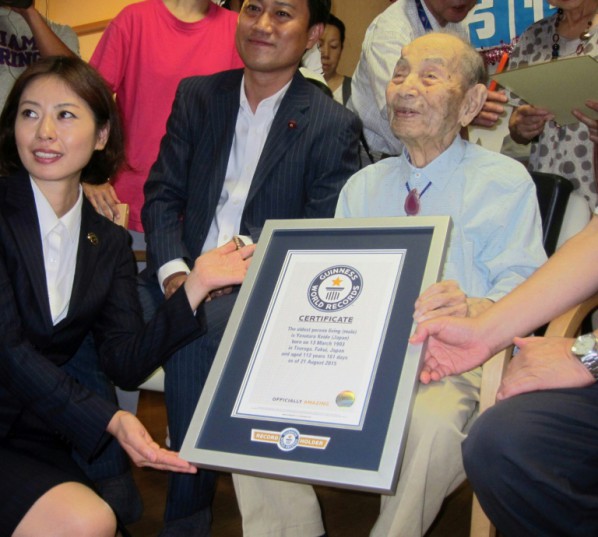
x=314, y=377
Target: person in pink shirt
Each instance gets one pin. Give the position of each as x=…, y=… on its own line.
x=143, y=55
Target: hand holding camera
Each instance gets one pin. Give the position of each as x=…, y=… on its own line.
x=21, y=4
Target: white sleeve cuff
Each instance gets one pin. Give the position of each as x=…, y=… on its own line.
x=167, y=269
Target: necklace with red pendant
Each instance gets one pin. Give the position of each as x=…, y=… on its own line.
x=412, y=204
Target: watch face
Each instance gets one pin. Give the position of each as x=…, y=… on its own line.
x=584, y=344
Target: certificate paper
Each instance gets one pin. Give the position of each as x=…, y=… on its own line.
x=321, y=338
x=559, y=86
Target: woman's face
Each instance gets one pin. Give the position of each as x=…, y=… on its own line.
x=572, y=4
x=330, y=49
x=55, y=131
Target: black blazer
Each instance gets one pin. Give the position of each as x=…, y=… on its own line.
x=310, y=152
x=104, y=301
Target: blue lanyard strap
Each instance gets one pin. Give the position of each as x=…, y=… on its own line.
x=422, y=16
x=422, y=192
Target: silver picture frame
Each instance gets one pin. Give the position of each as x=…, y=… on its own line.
x=232, y=428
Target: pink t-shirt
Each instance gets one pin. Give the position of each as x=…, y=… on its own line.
x=143, y=55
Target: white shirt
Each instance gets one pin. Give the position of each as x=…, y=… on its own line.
x=496, y=237
x=390, y=31
x=251, y=132
x=60, y=242
x=312, y=60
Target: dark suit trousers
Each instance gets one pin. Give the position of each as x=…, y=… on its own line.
x=533, y=462
x=186, y=373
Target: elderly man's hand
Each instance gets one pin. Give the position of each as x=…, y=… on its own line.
x=543, y=363
x=592, y=124
x=527, y=122
x=447, y=298
x=492, y=110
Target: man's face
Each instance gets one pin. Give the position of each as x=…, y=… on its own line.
x=272, y=35
x=446, y=11
x=425, y=94
x=330, y=50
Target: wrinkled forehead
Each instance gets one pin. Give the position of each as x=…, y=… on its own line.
x=441, y=53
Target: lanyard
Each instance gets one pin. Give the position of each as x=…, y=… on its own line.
x=422, y=16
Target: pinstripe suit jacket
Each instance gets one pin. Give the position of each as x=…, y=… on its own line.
x=310, y=152
x=104, y=301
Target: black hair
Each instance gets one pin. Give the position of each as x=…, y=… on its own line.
x=336, y=22
x=319, y=11
x=87, y=83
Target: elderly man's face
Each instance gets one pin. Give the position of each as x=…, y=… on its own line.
x=425, y=94
x=446, y=11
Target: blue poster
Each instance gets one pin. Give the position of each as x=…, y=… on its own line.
x=497, y=22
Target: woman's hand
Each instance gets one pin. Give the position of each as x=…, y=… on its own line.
x=139, y=445
x=592, y=124
x=527, y=122
x=454, y=345
x=103, y=198
x=217, y=269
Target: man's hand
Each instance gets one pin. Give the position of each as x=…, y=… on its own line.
x=543, y=363
x=527, y=122
x=173, y=282
x=136, y=441
x=103, y=198
x=217, y=269
x=592, y=124
x=492, y=110
x=454, y=346
x=446, y=298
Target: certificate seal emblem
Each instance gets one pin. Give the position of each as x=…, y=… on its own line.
x=289, y=439
x=335, y=288
x=345, y=399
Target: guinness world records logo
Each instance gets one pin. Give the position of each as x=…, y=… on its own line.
x=335, y=288
x=289, y=439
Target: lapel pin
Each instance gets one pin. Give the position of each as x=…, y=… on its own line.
x=93, y=238
x=292, y=124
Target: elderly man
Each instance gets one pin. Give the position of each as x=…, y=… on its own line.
x=395, y=27
x=496, y=243
x=241, y=147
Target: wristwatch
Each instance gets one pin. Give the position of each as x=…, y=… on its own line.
x=586, y=349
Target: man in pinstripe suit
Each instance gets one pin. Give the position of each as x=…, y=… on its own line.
x=241, y=147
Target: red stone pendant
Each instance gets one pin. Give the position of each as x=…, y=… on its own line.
x=412, y=203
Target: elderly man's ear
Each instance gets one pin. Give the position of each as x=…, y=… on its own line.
x=472, y=104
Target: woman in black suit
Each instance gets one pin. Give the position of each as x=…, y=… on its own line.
x=65, y=271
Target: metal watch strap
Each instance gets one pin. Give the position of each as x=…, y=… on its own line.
x=590, y=358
